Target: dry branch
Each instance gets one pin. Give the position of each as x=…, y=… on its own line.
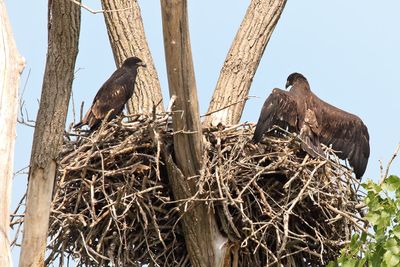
x=113, y=203
x=205, y=245
x=242, y=60
x=11, y=66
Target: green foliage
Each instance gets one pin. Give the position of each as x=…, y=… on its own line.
x=381, y=246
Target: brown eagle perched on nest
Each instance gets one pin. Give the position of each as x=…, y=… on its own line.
x=301, y=111
x=113, y=94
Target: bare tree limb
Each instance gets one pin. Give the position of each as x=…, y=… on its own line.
x=203, y=240
x=127, y=38
x=63, y=37
x=242, y=60
x=11, y=67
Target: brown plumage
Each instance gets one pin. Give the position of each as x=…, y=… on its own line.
x=301, y=111
x=113, y=94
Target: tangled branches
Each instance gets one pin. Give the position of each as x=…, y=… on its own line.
x=281, y=206
x=112, y=204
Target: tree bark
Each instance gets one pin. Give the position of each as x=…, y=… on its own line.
x=63, y=37
x=242, y=61
x=11, y=67
x=205, y=245
x=127, y=38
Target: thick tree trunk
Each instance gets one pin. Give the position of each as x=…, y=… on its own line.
x=11, y=67
x=63, y=37
x=242, y=61
x=127, y=38
x=205, y=245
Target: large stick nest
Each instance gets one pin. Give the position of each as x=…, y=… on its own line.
x=113, y=206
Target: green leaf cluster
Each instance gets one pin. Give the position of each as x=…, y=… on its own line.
x=381, y=246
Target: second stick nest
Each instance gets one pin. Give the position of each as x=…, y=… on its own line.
x=113, y=206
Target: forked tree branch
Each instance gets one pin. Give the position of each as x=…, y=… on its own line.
x=203, y=240
x=242, y=60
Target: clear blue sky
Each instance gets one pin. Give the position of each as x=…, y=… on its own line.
x=348, y=50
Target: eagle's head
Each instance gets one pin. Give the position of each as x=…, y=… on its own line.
x=292, y=78
x=133, y=62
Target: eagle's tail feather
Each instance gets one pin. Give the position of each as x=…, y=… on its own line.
x=312, y=147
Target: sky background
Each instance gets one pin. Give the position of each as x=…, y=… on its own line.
x=348, y=50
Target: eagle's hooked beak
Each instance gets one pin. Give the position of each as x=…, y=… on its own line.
x=287, y=85
x=141, y=64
